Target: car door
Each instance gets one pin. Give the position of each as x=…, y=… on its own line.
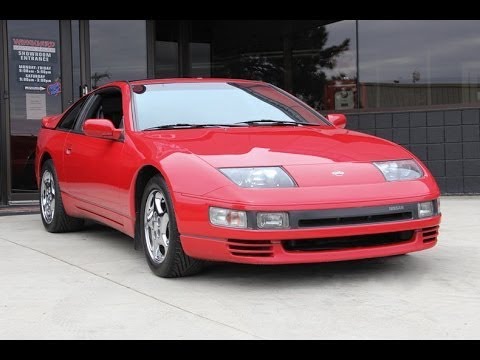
x=92, y=166
x=56, y=141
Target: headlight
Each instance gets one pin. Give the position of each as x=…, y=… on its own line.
x=399, y=170
x=228, y=217
x=259, y=177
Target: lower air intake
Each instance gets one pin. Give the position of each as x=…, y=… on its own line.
x=254, y=248
x=348, y=242
x=430, y=234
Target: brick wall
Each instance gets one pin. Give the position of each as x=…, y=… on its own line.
x=448, y=141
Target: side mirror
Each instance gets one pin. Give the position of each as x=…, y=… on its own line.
x=101, y=128
x=339, y=120
x=50, y=122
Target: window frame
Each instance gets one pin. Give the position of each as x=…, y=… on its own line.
x=89, y=103
x=80, y=102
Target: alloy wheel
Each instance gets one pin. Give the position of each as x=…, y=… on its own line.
x=156, y=226
x=47, y=196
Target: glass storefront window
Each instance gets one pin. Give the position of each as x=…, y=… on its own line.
x=166, y=48
x=118, y=50
x=314, y=60
x=201, y=49
x=324, y=64
x=418, y=64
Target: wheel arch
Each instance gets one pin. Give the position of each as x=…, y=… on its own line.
x=45, y=156
x=141, y=180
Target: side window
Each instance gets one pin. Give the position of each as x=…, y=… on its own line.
x=106, y=104
x=112, y=108
x=68, y=121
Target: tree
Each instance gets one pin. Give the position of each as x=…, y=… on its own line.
x=308, y=68
x=263, y=58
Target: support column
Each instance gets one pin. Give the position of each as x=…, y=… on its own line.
x=288, y=55
x=4, y=128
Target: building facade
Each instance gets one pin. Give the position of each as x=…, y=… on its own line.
x=414, y=82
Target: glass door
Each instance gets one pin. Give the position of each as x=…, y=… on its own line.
x=48, y=65
x=34, y=91
x=3, y=124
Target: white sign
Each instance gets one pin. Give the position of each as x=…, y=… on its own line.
x=36, y=106
x=35, y=88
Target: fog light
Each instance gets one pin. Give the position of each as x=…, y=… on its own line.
x=425, y=209
x=228, y=218
x=272, y=220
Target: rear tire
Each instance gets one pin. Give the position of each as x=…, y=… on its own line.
x=159, y=234
x=54, y=218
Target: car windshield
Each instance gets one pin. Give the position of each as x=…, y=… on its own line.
x=218, y=103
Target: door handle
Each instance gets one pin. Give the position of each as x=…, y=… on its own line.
x=68, y=149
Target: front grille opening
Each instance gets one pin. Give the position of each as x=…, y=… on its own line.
x=348, y=242
x=255, y=248
x=352, y=220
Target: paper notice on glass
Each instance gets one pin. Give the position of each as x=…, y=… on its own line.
x=36, y=106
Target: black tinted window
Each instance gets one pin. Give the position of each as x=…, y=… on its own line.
x=105, y=104
x=68, y=120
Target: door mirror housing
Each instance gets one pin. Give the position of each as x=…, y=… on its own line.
x=50, y=122
x=101, y=128
x=338, y=120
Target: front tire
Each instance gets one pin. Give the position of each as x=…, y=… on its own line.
x=159, y=234
x=54, y=218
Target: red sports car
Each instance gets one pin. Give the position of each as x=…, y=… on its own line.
x=230, y=170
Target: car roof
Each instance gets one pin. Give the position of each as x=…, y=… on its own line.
x=191, y=80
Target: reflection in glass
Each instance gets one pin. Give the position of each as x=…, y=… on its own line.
x=200, y=59
x=166, y=59
x=412, y=63
x=118, y=50
x=200, y=48
x=324, y=71
x=166, y=48
x=313, y=60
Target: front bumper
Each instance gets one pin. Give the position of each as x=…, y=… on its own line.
x=272, y=247
x=350, y=237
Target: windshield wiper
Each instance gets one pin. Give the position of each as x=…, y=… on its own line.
x=272, y=122
x=186, y=126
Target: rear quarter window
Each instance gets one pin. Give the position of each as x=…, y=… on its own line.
x=69, y=119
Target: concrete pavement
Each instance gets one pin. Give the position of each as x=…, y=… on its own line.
x=94, y=285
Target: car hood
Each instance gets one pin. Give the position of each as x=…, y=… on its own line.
x=313, y=156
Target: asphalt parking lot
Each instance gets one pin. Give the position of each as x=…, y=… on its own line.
x=94, y=285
